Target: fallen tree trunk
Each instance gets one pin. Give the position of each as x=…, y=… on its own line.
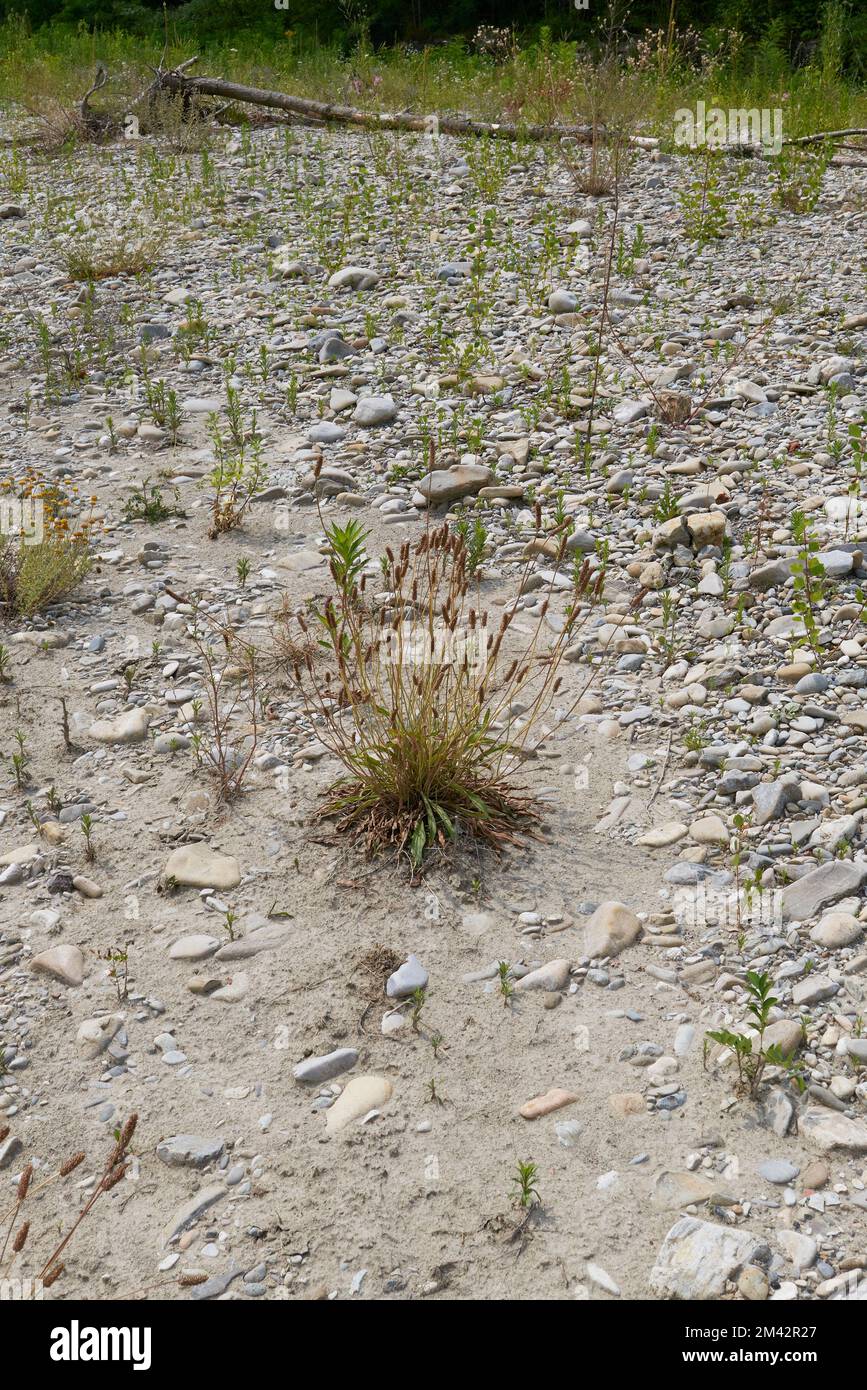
x=176, y=83
x=826, y=135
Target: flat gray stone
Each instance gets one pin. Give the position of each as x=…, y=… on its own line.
x=821, y=887
x=325, y=1067
x=190, y=1210
x=374, y=410
x=813, y=990
x=189, y=1151
x=449, y=484
x=778, y=1170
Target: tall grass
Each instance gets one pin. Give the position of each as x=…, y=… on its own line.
x=431, y=712
x=545, y=81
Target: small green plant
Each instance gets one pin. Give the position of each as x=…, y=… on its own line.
x=808, y=577
x=624, y=261
x=146, y=504
x=242, y=569
x=101, y=253
x=240, y=469
x=702, y=203
x=696, y=737
x=416, y=716
x=668, y=635
x=797, y=175
x=118, y=971
x=665, y=507
x=87, y=831
x=737, y=849
x=525, y=1191
x=507, y=989
x=5, y=656
x=419, y=998
x=751, y=1061
x=433, y=1094
x=475, y=537
x=347, y=554
x=164, y=407
x=39, y=570
x=20, y=760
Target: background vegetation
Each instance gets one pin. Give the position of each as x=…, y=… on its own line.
x=511, y=59
x=794, y=26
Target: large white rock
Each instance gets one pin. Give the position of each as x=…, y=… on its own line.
x=697, y=1258
x=24, y=854
x=194, y=947
x=662, y=835
x=829, y=1130
x=232, y=993
x=374, y=410
x=449, y=484
x=837, y=929
x=95, y=1034
x=353, y=277
x=407, y=979
x=129, y=727
x=64, y=962
x=709, y=830
x=821, y=887
x=362, y=1094
x=610, y=930
x=799, y=1250
x=199, y=866
x=553, y=976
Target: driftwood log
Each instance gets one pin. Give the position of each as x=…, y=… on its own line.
x=175, y=82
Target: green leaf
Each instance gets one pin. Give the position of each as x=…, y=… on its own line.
x=417, y=844
x=444, y=820
x=736, y=1041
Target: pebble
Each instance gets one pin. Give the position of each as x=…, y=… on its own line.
x=407, y=979
x=316, y=1069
